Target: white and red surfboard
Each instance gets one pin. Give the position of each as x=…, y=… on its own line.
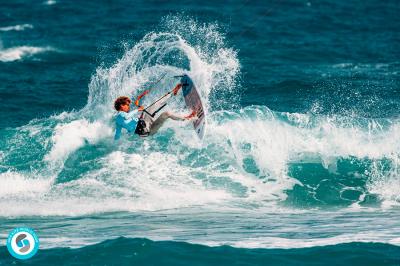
x=193, y=102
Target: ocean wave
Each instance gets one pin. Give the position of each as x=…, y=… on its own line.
x=251, y=157
x=137, y=251
x=310, y=162
x=15, y=183
x=17, y=27
x=21, y=52
x=50, y=2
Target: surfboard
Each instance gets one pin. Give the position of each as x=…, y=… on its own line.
x=193, y=102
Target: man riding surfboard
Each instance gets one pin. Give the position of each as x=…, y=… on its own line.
x=143, y=124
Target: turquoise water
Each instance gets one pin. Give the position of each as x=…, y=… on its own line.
x=299, y=164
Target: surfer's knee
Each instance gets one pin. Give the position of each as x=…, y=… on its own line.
x=166, y=114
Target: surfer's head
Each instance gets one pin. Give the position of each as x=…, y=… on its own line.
x=122, y=103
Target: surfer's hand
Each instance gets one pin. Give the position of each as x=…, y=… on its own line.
x=177, y=88
x=140, y=97
x=141, y=108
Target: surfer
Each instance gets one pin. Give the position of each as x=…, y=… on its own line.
x=133, y=122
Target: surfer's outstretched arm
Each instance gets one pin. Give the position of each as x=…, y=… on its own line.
x=177, y=88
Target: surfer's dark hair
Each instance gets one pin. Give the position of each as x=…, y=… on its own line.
x=121, y=101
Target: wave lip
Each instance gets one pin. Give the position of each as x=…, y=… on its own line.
x=21, y=52
x=17, y=27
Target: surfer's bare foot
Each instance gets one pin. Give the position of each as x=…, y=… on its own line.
x=191, y=116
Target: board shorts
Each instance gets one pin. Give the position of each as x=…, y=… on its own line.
x=142, y=128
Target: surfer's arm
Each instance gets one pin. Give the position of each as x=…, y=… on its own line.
x=117, y=135
x=137, y=102
x=119, y=123
x=177, y=88
x=122, y=121
x=131, y=115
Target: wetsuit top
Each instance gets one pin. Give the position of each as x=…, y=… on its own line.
x=127, y=121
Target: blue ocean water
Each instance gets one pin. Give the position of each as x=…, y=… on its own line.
x=300, y=163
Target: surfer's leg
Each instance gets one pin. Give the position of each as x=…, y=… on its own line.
x=161, y=119
x=175, y=116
